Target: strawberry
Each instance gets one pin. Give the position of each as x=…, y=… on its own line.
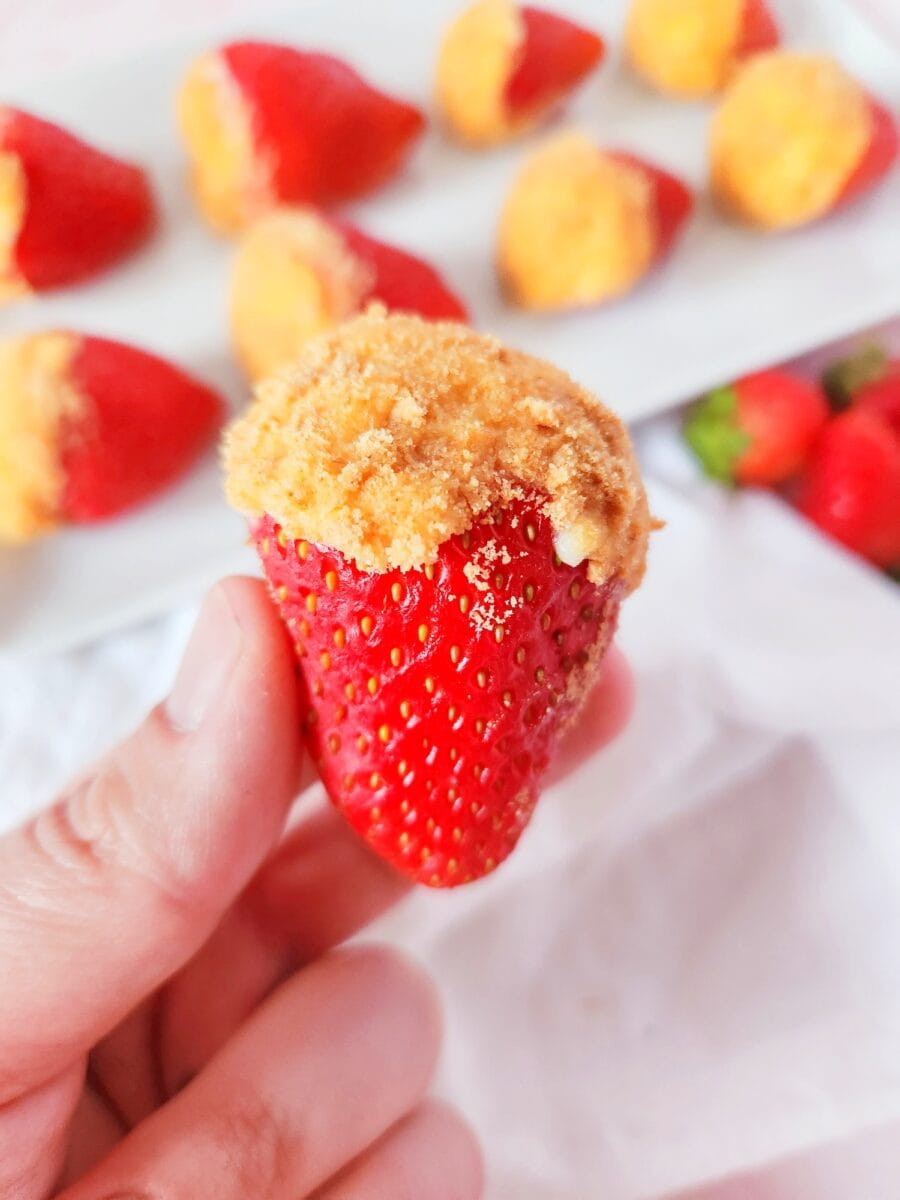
x=430, y=740
x=400, y=280
x=448, y=527
x=844, y=377
x=759, y=431
x=298, y=272
x=759, y=30
x=795, y=138
x=672, y=201
x=582, y=225
x=878, y=158
x=267, y=124
x=882, y=397
x=504, y=67
x=851, y=487
x=92, y=427
x=67, y=210
x=556, y=55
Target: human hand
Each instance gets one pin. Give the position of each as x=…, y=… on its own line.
x=175, y=1017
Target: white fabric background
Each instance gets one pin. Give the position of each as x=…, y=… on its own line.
x=691, y=969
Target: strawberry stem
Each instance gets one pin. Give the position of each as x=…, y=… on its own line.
x=843, y=379
x=713, y=432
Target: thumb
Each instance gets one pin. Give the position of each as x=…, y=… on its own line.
x=108, y=893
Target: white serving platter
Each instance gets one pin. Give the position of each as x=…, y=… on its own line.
x=727, y=301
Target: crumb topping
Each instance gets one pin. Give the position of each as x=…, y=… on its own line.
x=478, y=54
x=685, y=47
x=294, y=277
x=231, y=179
x=391, y=434
x=13, y=198
x=578, y=227
x=787, y=137
x=35, y=397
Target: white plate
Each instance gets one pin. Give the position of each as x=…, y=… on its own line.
x=727, y=301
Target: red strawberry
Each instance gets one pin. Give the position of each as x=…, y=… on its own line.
x=76, y=209
x=114, y=425
x=432, y=740
x=269, y=124
x=851, y=488
x=555, y=57
x=882, y=397
x=673, y=200
x=401, y=281
x=879, y=157
x=846, y=376
x=758, y=431
x=759, y=30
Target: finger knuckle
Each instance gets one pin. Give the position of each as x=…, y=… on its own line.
x=250, y=1137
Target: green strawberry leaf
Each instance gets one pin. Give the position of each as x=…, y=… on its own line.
x=712, y=430
x=843, y=379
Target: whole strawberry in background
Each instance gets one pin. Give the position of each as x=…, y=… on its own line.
x=266, y=124
x=448, y=528
x=89, y=428
x=298, y=272
x=851, y=486
x=759, y=430
x=67, y=209
x=504, y=67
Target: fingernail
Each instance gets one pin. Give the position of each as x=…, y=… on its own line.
x=209, y=659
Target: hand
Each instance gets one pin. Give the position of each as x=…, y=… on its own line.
x=175, y=1019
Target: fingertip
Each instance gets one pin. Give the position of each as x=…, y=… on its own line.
x=606, y=712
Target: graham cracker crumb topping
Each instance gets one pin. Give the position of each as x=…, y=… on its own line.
x=391, y=434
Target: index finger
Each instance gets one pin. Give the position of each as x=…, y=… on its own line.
x=109, y=892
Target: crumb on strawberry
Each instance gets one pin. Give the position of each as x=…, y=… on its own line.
x=392, y=434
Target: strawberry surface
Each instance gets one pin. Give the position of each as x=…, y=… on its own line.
x=328, y=133
x=436, y=697
x=403, y=282
x=556, y=55
x=84, y=209
x=851, y=488
x=145, y=422
x=878, y=158
x=673, y=200
x=759, y=30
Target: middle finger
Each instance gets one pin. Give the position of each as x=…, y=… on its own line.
x=328, y=1064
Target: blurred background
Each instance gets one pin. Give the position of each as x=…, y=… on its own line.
x=686, y=983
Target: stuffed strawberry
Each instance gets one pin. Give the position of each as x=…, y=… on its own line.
x=67, y=210
x=795, y=138
x=266, y=124
x=691, y=48
x=448, y=528
x=503, y=67
x=581, y=225
x=759, y=430
x=90, y=427
x=298, y=273
x=851, y=487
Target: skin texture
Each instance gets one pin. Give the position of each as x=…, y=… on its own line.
x=218, y=1042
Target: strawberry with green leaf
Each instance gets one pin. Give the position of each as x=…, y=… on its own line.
x=757, y=431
